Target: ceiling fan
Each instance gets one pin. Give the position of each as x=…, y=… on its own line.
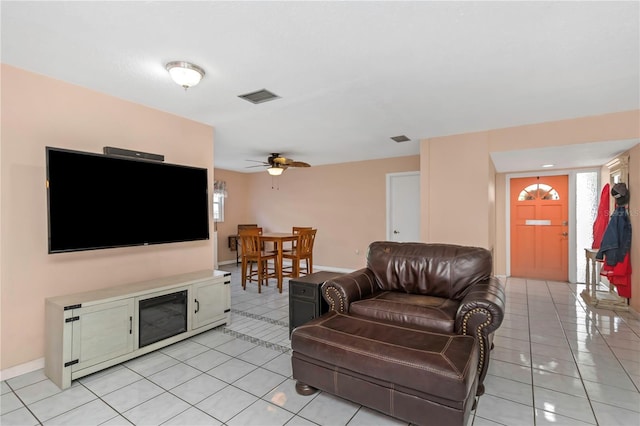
x=278, y=164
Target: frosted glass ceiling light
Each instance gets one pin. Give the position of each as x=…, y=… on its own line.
x=275, y=170
x=184, y=73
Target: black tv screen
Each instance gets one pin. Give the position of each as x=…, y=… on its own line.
x=98, y=201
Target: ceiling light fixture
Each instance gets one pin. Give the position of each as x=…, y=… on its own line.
x=275, y=170
x=546, y=166
x=184, y=73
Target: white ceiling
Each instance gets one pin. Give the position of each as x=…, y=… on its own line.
x=350, y=74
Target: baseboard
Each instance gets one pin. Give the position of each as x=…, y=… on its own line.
x=317, y=268
x=18, y=370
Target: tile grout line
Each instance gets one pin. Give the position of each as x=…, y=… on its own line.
x=259, y=317
x=573, y=356
x=256, y=341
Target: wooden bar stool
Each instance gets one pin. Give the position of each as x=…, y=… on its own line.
x=252, y=251
x=302, y=250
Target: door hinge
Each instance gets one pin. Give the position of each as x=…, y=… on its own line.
x=72, y=319
x=67, y=364
x=227, y=282
x=227, y=310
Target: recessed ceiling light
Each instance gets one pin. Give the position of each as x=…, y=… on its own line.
x=546, y=166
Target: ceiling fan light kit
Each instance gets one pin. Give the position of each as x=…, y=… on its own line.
x=278, y=164
x=184, y=73
x=275, y=170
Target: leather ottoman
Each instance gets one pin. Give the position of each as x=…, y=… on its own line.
x=414, y=375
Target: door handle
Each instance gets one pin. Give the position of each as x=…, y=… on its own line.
x=564, y=234
x=396, y=232
x=197, y=306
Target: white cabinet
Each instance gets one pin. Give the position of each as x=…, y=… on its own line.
x=101, y=332
x=211, y=302
x=87, y=332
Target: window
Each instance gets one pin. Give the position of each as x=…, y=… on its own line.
x=219, y=194
x=587, y=198
x=538, y=191
x=218, y=207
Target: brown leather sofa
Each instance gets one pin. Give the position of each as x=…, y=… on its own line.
x=441, y=288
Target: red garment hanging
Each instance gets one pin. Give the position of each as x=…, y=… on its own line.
x=619, y=275
x=602, y=219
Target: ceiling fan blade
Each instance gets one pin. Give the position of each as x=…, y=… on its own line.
x=257, y=161
x=282, y=160
x=298, y=164
x=257, y=165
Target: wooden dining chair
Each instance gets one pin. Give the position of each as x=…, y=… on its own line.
x=252, y=251
x=303, y=250
x=295, y=230
x=241, y=226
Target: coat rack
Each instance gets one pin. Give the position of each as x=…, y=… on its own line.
x=597, y=294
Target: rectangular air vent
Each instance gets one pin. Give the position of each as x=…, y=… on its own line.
x=259, y=96
x=401, y=138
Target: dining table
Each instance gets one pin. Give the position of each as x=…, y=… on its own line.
x=278, y=239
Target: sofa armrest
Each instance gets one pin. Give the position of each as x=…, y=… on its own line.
x=480, y=313
x=340, y=292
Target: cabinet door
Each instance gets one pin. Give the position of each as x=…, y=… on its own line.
x=301, y=311
x=102, y=332
x=210, y=302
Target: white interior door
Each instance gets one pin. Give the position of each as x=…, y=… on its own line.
x=403, y=206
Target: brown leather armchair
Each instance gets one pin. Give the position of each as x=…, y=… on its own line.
x=443, y=288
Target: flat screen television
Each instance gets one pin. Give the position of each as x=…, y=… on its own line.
x=98, y=201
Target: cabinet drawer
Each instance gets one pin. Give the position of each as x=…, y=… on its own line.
x=304, y=291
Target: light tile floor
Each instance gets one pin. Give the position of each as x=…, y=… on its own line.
x=556, y=361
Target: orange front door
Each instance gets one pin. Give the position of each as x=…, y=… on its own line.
x=539, y=227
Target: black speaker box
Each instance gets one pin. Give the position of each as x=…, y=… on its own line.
x=120, y=152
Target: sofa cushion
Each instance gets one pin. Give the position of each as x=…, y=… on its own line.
x=441, y=270
x=409, y=310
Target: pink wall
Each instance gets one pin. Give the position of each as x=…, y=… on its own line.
x=598, y=128
x=456, y=170
x=236, y=210
x=38, y=111
x=345, y=202
x=456, y=176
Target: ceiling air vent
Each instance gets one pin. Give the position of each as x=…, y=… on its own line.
x=259, y=96
x=401, y=138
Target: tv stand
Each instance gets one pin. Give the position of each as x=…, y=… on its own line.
x=87, y=332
